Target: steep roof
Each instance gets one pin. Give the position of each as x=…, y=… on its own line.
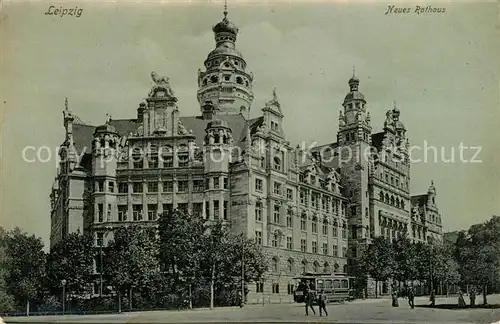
x=82, y=137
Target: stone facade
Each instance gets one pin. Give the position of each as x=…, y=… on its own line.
x=311, y=211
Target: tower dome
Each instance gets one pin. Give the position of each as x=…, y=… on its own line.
x=354, y=93
x=395, y=115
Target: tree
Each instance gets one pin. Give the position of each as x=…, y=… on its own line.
x=132, y=260
x=377, y=261
x=25, y=266
x=6, y=300
x=72, y=260
x=404, y=257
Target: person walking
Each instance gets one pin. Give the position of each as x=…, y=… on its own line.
x=472, y=297
x=432, y=299
x=411, y=297
x=395, y=302
x=309, y=296
x=322, y=302
x=461, y=300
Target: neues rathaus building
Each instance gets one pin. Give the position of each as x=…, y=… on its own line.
x=311, y=210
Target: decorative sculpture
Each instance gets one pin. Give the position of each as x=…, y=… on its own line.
x=161, y=82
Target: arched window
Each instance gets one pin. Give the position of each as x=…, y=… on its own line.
x=386, y=198
x=274, y=264
x=392, y=200
x=205, y=82
x=402, y=204
x=316, y=267
x=397, y=202
x=290, y=266
x=304, y=266
x=277, y=163
x=381, y=196
x=345, y=268
x=239, y=80
x=216, y=138
x=214, y=79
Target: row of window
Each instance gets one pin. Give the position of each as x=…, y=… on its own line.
x=138, y=213
x=315, y=181
x=168, y=186
x=290, y=266
x=276, y=242
x=390, y=200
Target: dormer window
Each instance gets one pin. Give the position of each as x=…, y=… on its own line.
x=227, y=77
x=214, y=79
x=274, y=126
x=313, y=180
x=239, y=80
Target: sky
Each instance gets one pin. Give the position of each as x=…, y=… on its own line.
x=441, y=69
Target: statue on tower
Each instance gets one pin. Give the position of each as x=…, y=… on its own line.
x=161, y=82
x=388, y=119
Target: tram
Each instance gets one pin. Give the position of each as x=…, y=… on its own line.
x=336, y=287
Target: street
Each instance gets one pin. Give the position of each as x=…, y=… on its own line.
x=360, y=311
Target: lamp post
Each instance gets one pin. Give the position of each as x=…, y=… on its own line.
x=63, y=282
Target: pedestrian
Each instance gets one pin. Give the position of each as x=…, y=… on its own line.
x=461, y=300
x=472, y=296
x=395, y=302
x=432, y=299
x=322, y=302
x=308, y=294
x=411, y=297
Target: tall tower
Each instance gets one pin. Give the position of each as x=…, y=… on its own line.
x=217, y=146
x=225, y=83
x=354, y=138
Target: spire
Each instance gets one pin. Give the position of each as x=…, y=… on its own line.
x=66, y=104
x=354, y=71
x=225, y=9
x=275, y=97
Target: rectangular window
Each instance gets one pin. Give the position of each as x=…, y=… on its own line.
x=344, y=233
x=303, y=245
x=100, y=186
x=100, y=213
x=216, y=209
x=153, y=162
x=323, y=203
x=277, y=188
x=302, y=197
x=314, y=226
x=335, y=231
x=335, y=251
x=289, y=244
x=259, y=287
x=313, y=200
x=183, y=208
x=303, y=223
x=314, y=247
x=258, y=185
x=198, y=186
x=137, y=187
x=109, y=213
x=137, y=163
x=100, y=239
x=197, y=209
x=183, y=159
x=276, y=288
x=137, y=212
x=289, y=194
x=258, y=211
x=182, y=186
x=168, y=161
x=168, y=186
x=152, y=212
x=325, y=229
x=122, y=213
x=325, y=248
x=276, y=214
x=111, y=186
x=225, y=183
x=289, y=219
x=216, y=182
x=301, y=177
x=290, y=289
x=152, y=186
x=122, y=187
x=274, y=240
x=167, y=208
x=344, y=252
x=258, y=237
x=226, y=212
